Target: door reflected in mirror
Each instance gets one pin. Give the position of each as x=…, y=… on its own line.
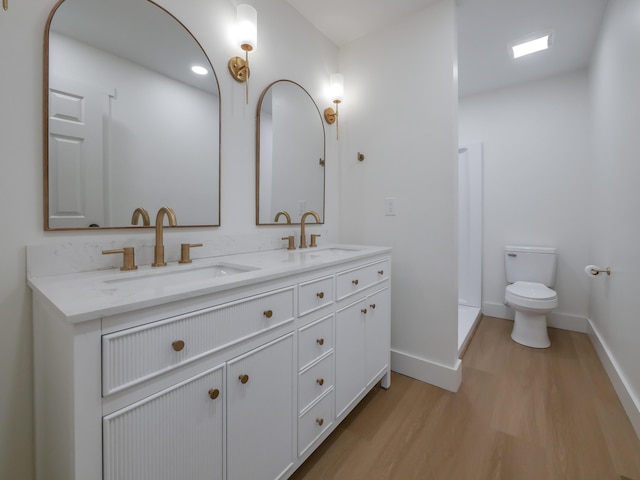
x=290, y=168
x=129, y=124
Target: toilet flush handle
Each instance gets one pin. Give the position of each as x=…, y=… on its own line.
x=512, y=254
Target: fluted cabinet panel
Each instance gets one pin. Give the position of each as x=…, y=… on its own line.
x=176, y=434
x=134, y=355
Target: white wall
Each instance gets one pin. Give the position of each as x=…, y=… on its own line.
x=614, y=301
x=288, y=48
x=537, y=159
x=400, y=110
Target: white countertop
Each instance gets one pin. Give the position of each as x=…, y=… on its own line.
x=88, y=295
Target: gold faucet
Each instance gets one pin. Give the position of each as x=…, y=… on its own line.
x=158, y=253
x=136, y=216
x=303, y=238
x=283, y=212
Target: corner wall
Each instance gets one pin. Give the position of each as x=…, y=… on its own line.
x=400, y=111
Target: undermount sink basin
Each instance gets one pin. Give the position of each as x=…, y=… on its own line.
x=166, y=278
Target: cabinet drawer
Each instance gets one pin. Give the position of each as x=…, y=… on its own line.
x=315, y=294
x=352, y=281
x=315, y=340
x=134, y=355
x=314, y=381
x=314, y=422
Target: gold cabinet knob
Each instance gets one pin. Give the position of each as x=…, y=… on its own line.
x=214, y=393
x=373, y=305
x=178, y=345
x=380, y=272
x=320, y=341
x=355, y=282
x=268, y=313
x=320, y=381
x=320, y=294
x=320, y=421
x=364, y=310
x=243, y=378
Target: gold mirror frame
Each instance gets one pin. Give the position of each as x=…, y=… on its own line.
x=288, y=214
x=215, y=183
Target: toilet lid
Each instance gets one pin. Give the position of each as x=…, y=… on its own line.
x=532, y=290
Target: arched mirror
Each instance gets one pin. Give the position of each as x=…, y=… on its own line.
x=290, y=155
x=128, y=124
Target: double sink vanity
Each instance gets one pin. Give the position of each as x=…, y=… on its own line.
x=230, y=367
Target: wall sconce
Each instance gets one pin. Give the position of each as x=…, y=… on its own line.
x=336, y=92
x=5, y=4
x=247, y=36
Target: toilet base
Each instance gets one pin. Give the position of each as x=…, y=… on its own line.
x=530, y=329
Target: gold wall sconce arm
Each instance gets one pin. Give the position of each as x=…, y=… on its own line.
x=5, y=4
x=247, y=31
x=336, y=92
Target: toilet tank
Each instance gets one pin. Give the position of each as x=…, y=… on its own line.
x=530, y=264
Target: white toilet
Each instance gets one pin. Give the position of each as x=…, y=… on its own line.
x=530, y=273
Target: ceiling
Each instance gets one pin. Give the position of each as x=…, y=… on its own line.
x=485, y=30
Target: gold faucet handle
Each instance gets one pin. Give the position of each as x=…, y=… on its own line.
x=128, y=257
x=313, y=239
x=292, y=242
x=185, y=251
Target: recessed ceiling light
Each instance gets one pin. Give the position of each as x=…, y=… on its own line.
x=531, y=46
x=199, y=70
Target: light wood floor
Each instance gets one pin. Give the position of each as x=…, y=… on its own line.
x=520, y=414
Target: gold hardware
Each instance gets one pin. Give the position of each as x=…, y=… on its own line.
x=5, y=4
x=360, y=157
x=320, y=381
x=313, y=239
x=137, y=213
x=320, y=294
x=597, y=271
x=214, y=393
x=373, y=305
x=331, y=116
x=243, y=378
x=178, y=345
x=292, y=242
x=285, y=214
x=355, y=282
x=319, y=421
x=303, y=236
x=268, y=313
x=364, y=310
x=128, y=257
x=320, y=341
x=158, y=253
x=380, y=272
x=322, y=162
x=185, y=251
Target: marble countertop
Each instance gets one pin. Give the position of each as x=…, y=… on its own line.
x=84, y=296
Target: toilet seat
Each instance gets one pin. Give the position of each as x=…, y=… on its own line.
x=531, y=295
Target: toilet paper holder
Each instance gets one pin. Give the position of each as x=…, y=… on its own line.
x=593, y=270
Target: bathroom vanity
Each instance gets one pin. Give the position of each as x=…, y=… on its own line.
x=233, y=367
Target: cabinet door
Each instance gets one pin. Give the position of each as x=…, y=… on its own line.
x=350, y=355
x=377, y=333
x=174, y=434
x=261, y=406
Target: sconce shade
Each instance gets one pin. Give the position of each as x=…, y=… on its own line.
x=336, y=87
x=247, y=27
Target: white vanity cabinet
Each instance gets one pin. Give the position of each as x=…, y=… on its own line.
x=239, y=383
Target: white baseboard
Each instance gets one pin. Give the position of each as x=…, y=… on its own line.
x=630, y=402
x=426, y=371
x=564, y=321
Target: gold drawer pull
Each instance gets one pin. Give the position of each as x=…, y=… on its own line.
x=320, y=381
x=178, y=345
x=320, y=294
x=243, y=378
x=320, y=341
x=364, y=310
x=268, y=313
x=214, y=393
x=380, y=272
x=355, y=282
x=373, y=305
x=319, y=421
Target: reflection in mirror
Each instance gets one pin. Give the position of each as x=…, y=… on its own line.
x=290, y=155
x=128, y=123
